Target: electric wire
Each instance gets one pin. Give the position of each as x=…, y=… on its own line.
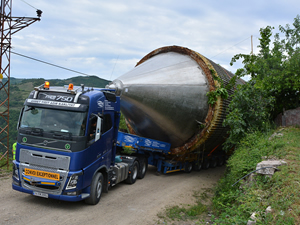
x=51, y=64
x=29, y=4
x=253, y=172
x=230, y=47
x=114, y=68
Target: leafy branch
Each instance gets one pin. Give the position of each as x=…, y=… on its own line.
x=221, y=90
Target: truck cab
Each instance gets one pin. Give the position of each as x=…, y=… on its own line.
x=66, y=145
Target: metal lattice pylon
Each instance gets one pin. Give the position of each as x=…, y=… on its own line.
x=9, y=25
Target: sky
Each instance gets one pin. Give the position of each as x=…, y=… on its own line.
x=107, y=38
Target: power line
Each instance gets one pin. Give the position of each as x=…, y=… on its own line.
x=230, y=47
x=51, y=64
x=29, y=4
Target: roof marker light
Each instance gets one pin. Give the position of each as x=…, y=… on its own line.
x=71, y=86
x=47, y=85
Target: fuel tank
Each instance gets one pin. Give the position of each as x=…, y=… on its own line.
x=165, y=98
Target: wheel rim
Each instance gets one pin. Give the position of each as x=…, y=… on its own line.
x=99, y=188
x=214, y=163
x=207, y=165
x=135, y=170
x=199, y=166
x=144, y=168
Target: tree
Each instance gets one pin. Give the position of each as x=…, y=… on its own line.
x=274, y=85
x=275, y=69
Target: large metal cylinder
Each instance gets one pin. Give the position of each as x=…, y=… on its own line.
x=164, y=98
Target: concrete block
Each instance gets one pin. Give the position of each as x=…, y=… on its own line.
x=272, y=164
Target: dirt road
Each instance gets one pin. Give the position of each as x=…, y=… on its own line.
x=123, y=204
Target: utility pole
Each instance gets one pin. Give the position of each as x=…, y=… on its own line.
x=251, y=45
x=8, y=26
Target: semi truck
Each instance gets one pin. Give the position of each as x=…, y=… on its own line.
x=69, y=146
x=68, y=141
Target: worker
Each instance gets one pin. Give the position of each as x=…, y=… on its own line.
x=14, y=148
x=93, y=129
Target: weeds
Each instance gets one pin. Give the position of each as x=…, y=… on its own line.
x=234, y=205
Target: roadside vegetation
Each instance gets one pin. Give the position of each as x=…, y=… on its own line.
x=273, y=88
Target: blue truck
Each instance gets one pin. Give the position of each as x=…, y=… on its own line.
x=69, y=144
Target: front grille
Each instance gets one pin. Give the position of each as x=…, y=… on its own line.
x=46, y=162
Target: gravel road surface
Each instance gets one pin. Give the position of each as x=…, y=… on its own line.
x=123, y=204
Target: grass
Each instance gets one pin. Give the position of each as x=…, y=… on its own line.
x=196, y=212
x=235, y=204
x=3, y=169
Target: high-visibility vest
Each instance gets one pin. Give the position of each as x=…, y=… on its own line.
x=14, y=150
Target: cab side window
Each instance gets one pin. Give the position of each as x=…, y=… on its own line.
x=92, y=127
x=107, y=123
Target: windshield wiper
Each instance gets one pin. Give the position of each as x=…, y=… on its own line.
x=62, y=135
x=34, y=131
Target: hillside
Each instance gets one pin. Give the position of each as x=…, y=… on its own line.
x=274, y=199
x=20, y=89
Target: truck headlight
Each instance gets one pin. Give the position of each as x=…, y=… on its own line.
x=15, y=172
x=72, y=182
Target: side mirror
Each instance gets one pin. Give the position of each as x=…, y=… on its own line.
x=98, y=129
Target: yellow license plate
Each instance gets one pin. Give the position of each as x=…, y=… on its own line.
x=41, y=174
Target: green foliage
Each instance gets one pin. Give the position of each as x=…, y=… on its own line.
x=197, y=211
x=213, y=95
x=221, y=90
x=249, y=110
x=122, y=125
x=274, y=84
x=235, y=204
x=184, y=213
x=275, y=69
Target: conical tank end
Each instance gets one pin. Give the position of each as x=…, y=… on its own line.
x=117, y=85
x=164, y=97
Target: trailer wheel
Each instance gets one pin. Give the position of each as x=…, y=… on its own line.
x=133, y=173
x=197, y=166
x=221, y=161
x=214, y=163
x=188, y=167
x=96, y=190
x=206, y=164
x=143, y=168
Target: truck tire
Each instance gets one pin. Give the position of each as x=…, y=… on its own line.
x=197, y=166
x=188, y=167
x=221, y=161
x=206, y=164
x=133, y=173
x=143, y=168
x=96, y=190
x=213, y=163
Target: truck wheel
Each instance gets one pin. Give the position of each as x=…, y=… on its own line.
x=213, y=163
x=206, y=164
x=197, y=166
x=188, y=167
x=133, y=173
x=96, y=190
x=143, y=168
x=221, y=161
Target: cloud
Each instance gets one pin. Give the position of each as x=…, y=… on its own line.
x=107, y=38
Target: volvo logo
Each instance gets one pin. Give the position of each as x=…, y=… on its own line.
x=45, y=142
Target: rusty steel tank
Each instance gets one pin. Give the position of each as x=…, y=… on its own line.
x=165, y=98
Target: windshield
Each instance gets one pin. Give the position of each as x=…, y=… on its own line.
x=53, y=120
